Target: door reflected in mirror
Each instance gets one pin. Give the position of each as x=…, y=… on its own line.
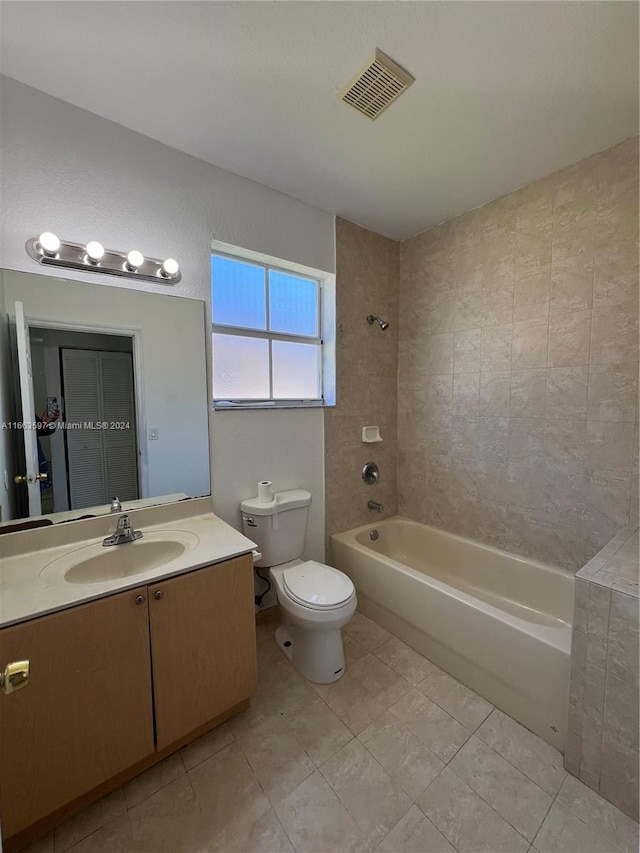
x=102, y=394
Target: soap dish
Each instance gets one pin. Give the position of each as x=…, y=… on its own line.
x=371, y=434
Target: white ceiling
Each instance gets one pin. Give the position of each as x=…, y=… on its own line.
x=505, y=92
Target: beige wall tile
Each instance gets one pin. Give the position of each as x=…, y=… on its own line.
x=574, y=229
x=614, y=337
x=528, y=390
x=530, y=341
x=466, y=351
x=494, y=394
x=466, y=395
x=526, y=442
x=567, y=393
x=569, y=336
x=564, y=445
x=533, y=254
x=610, y=446
x=572, y=284
x=531, y=297
x=495, y=347
x=523, y=275
x=613, y=392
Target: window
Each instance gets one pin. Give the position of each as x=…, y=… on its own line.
x=267, y=335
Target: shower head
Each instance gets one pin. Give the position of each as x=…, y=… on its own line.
x=383, y=323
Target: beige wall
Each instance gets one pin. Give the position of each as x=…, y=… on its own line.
x=366, y=384
x=518, y=365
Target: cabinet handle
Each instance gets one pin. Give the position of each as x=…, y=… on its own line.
x=15, y=676
x=158, y=594
x=139, y=599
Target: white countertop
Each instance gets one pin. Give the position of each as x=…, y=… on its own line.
x=32, y=582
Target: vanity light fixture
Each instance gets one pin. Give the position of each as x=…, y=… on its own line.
x=95, y=252
x=169, y=268
x=48, y=244
x=48, y=250
x=135, y=259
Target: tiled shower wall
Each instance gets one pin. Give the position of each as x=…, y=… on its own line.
x=518, y=365
x=366, y=378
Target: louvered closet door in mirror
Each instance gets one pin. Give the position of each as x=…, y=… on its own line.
x=100, y=432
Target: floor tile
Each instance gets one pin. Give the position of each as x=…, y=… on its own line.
x=352, y=702
x=114, y=837
x=265, y=835
x=317, y=728
x=353, y=650
x=168, y=821
x=526, y=751
x=207, y=745
x=415, y=834
x=599, y=814
x=457, y=699
x=563, y=832
x=227, y=789
x=366, y=790
x=278, y=688
x=88, y=820
x=466, y=821
x=430, y=724
x=366, y=632
x=407, y=760
x=152, y=780
x=515, y=797
x=316, y=821
x=380, y=680
x=404, y=660
x=275, y=755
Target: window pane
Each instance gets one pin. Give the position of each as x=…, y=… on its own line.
x=238, y=293
x=240, y=368
x=293, y=304
x=295, y=371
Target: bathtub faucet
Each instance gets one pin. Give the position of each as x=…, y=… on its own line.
x=375, y=505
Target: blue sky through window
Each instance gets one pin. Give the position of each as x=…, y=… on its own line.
x=239, y=293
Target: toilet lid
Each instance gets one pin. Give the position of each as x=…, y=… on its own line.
x=316, y=585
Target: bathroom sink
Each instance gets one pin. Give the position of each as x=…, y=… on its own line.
x=121, y=561
x=99, y=564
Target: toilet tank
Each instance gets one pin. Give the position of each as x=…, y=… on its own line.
x=278, y=528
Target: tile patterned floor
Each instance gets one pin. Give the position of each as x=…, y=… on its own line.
x=396, y=757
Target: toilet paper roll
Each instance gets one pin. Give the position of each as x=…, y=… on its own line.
x=265, y=491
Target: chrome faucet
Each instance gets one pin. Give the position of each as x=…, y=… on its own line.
x=375, y=505
x=124, y=532
x=116, y=506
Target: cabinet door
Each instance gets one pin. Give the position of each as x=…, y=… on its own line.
x=86, y=713
x=203, y=646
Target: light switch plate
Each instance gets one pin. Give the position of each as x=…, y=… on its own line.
x=153, y=433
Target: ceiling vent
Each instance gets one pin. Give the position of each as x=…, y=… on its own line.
x=375, y=86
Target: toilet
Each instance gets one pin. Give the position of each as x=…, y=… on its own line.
x=316, y=600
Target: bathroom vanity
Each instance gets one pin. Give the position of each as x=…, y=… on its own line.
x=129, y=656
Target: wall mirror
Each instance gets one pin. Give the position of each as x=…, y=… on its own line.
x=119, y=376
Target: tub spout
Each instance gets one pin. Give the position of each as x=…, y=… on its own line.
x=375, y=505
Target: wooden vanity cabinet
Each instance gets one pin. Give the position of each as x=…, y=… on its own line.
x=86, y=713
x=117, y=684
x=203, y=646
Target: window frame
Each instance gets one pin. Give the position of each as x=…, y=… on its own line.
x=270, y=336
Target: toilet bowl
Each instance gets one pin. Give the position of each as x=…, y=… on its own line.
x=316, y=600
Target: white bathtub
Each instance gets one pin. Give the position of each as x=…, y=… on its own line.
x=499, y=623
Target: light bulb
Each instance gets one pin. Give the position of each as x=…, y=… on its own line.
x=95, y=251
x=169, y=268
x=49, y=244
x=135, y=259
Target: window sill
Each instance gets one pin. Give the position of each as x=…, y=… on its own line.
x=269, y=407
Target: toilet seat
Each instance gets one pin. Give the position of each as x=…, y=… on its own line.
x=317, y=586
